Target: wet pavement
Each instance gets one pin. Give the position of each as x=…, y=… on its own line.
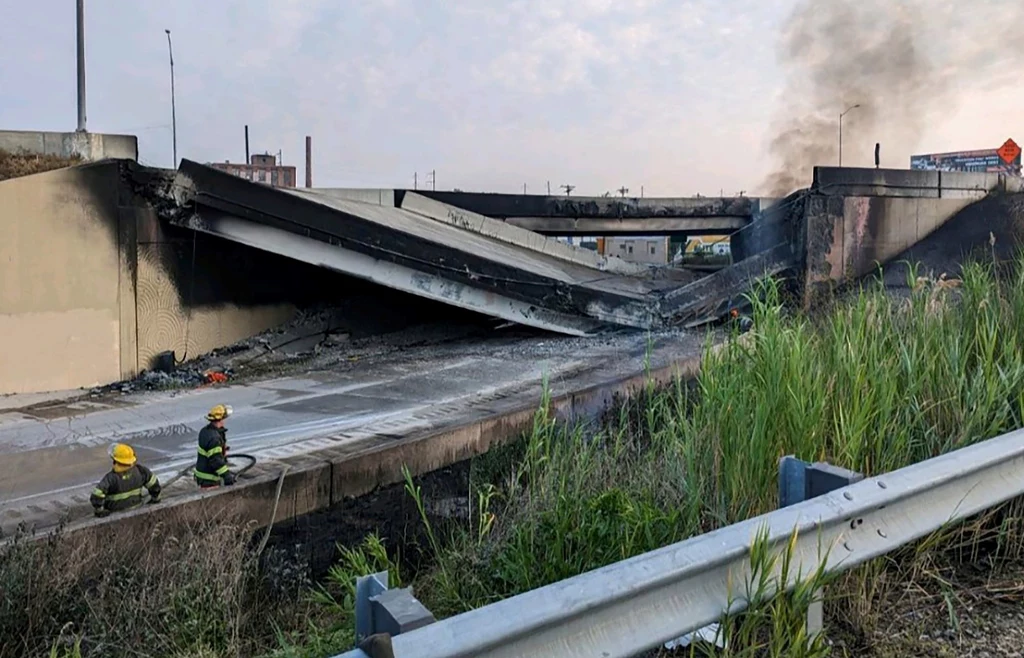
x=51, y=455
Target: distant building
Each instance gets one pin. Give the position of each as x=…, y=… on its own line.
x=647, y=249
x=261, y=169
x=717, y=245
x=652, y=250
x=583, y=242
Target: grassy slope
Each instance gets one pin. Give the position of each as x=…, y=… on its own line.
x=13, y=165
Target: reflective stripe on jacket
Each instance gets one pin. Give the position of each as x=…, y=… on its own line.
x=211, y=463
x=120, y=491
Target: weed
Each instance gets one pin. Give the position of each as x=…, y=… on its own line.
x=876, y=384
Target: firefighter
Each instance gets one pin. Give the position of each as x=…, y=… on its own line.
x=125, y=485
x=212, y=463
x=742, y=321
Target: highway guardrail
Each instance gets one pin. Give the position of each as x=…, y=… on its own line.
x=641, y=603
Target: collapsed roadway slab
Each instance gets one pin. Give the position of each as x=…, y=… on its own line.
x=415, y=252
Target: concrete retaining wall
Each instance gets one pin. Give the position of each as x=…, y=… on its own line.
x=858, y=219
x=91, y=147
x=92, y=285
x=60, y=282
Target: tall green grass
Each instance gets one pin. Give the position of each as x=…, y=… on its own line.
x=876, y=383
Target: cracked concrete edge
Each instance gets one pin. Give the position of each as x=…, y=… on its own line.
x=506, y=232
x=320, y=479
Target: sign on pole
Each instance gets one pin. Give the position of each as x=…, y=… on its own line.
x=1003, y=160
x=1009, y=152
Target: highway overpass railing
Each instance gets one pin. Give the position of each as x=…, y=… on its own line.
x=643, y=602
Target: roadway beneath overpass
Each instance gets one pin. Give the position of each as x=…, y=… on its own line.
x=52, y=454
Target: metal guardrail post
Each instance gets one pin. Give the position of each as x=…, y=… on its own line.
x=642, y=602
x=800, y=481
x=368, y=587
x=382, y=613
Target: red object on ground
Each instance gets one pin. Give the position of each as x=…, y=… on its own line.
x=215, y=377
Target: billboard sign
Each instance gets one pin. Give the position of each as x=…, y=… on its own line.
x=1003, y=160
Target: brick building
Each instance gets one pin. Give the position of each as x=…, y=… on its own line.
x=261, y=169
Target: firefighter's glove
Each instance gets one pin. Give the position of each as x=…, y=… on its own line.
x=154, y=500
x=101, y=513
x=229, y=478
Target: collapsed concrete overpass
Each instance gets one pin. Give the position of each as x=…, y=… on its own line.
x=428, y=248
x=125, y=271
x=844, y=225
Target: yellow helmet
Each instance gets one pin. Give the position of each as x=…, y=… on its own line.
x=219, y=412
x=122, y=453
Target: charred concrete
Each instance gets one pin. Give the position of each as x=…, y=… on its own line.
x=424, y=246
x=504, y=206
x=986, y=230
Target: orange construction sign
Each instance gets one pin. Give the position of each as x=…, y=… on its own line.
x=1009, y=151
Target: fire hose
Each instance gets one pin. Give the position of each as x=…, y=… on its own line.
x=252, y=462
x=188, y=469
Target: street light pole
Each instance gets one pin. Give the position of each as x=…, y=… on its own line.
x=852, y=107
x=81, y=64
x=174, y=120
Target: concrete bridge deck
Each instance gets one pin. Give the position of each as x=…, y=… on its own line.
x=602, y=226
x=562, y=215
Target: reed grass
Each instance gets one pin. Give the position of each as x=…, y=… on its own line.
x=876, y=383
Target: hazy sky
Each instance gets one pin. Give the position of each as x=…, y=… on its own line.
x=676, y=95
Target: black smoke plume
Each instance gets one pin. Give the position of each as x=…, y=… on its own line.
x=900, y=61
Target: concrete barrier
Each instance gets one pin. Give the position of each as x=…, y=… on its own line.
x=854, y=181
x=91, y=147
x=505, y=232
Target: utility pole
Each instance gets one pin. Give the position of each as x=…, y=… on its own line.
x=622, y=191
x=309, y=161
x=841, y=115
x=433, y=179
x=524, y=188
x=174, y=119
x=549, y=188
x=81, y=65
x=415, y=180
x=568, y=189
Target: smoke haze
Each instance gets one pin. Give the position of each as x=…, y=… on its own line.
x=900, y=61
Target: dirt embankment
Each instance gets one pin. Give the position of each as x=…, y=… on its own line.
x=15, y=165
